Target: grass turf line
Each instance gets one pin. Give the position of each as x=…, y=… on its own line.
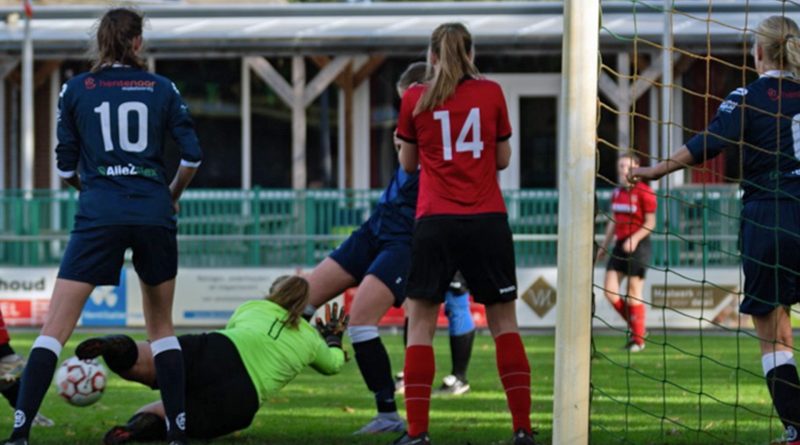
x=628, y=405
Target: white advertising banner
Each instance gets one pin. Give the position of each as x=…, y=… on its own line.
x=207, y=296
x=679, y=298
x=25, y=294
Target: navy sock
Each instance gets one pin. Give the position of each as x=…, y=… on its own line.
x=35, y=381
x=373, y=361
x=172, y=384
x=11, y=394
x=6, y=350
x=405, y=333
x=461, y=350
x=784, y=387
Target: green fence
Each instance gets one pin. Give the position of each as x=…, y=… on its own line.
x=232, y=228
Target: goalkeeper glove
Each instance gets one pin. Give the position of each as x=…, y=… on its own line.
x=332, y=329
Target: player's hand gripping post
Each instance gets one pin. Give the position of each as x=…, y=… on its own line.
x=334, y=325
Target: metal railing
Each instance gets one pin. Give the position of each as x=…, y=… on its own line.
x=233, y=228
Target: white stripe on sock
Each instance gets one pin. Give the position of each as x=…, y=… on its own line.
x=165, y=344
x=360, y=334
x=772, y=360
x=49, y=343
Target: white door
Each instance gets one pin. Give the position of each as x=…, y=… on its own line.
x=533, y=110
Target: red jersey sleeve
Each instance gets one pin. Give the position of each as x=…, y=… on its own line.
x=405, y=122
x=648, y=199
x=503, y=123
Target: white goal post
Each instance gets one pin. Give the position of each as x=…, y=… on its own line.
x=576, y=151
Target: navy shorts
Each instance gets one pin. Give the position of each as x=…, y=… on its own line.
x=770, y=242
x=364, y=253
x=95, y=255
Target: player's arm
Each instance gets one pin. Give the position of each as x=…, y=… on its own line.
x=503, y=154
x=724, y=130
x=330, y=356
x=408, y=156
x=67, y=149
x=607, y=239
x=647, y=228
x=182, y=129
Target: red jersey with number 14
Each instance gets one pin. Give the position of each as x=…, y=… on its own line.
x=457, y=145
x=629, y=207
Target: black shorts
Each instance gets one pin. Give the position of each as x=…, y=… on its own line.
x=770, y=240
x=631, y=264
x=479, y=246
x=95, y=255
x=220, y=396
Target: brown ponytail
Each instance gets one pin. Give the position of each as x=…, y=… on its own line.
x=417, y=72
x=290, y=292
x=451, y=43
x=116, y=33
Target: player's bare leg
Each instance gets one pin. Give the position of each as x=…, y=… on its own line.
x=611, y=287
x=326, y=281
x=513, y=367
x=373, y=298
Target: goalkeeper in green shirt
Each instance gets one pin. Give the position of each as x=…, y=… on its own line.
x=230, y=372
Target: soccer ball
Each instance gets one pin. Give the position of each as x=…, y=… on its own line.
x=81, y=382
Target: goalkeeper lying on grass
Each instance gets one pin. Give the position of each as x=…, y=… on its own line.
x=230, y=372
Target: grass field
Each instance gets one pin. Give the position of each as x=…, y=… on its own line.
x=631, y=404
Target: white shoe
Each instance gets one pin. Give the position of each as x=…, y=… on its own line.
x=399, y=383
x=11, y=368
x=383, y=424
x=634, y=347
x=452, y=385
x=43, y=421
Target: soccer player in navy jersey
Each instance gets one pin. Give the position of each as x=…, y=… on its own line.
x=763, y=121
x=111, y=128
x=455, y=127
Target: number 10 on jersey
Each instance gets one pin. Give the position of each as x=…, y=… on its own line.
x=125, y=142
x=472, y=128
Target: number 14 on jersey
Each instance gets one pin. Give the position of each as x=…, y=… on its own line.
x=471, y=129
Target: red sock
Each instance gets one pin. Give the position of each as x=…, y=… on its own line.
x=4, y=338
x=418, y=378
x=637, y=322
x=621, y=308
x=515, y=373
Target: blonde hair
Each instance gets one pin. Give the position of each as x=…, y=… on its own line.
x=779, y=38
x=452, y=45
x=290, y=292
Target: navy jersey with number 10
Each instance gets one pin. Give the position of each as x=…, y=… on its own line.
x=111, y=128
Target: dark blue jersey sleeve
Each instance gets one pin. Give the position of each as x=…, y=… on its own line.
x=182, y=129
x=723, y=131
x=68, y=148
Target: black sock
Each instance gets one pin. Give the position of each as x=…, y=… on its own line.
x=11, y=394
x=784, y=387
x=35, y=381
x=373, y=361
x=405, y=333
x=6, y=350
x=461, y=350
x=172, y=384
x=123, y=356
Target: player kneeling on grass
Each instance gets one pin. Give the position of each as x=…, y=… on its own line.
x=231, y=372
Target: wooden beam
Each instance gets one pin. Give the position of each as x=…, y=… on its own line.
x=324, y=78
x=7, y=66
x=646, y=79
x=347, y=90
x=366, y=71
x=273, y=78
x=610, y=89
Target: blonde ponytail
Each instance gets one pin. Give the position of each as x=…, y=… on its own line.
x=779, y=39
x=451, y=43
